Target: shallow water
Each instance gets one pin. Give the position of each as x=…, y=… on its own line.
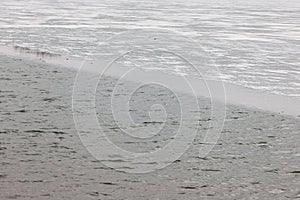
x=252, y=44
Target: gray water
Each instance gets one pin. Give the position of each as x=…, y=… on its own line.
x=253, y=44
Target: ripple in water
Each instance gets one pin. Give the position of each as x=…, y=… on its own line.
x=254, y=44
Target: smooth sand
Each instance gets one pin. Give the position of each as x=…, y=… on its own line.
x=42, y=157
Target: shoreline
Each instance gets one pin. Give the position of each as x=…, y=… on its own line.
x=223, y=92
x=256, y=157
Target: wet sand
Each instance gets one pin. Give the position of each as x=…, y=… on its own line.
x=42, y=157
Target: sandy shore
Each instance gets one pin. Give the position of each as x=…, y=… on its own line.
x=42, y=157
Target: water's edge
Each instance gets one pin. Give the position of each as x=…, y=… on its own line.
x=215, y=90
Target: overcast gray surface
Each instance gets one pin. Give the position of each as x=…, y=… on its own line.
x=257, y=156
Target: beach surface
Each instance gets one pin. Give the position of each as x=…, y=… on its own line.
x=42, y=157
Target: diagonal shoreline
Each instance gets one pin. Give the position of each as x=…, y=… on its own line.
x=216, y=90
